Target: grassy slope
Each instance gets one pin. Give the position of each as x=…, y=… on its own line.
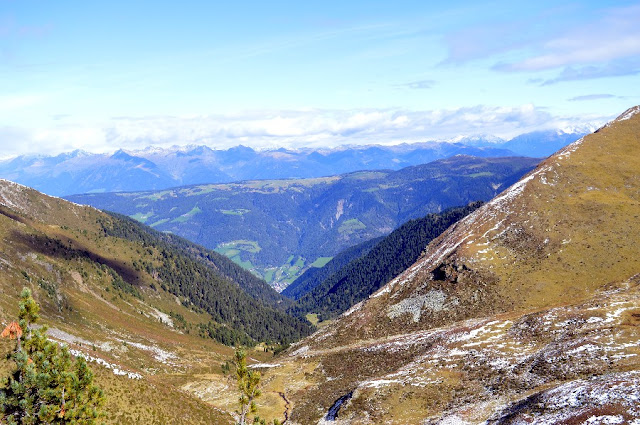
x=536, y=291
x=475, y=369
x=255, y=287
x=56, y=249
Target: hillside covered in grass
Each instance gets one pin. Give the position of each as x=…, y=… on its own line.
x=147, y=310
x=525, y=311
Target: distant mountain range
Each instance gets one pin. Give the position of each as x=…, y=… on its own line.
x=278, y=228
x=157, y=168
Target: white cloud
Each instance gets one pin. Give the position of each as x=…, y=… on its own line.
x=485, y=41
x=418, y=85
x=292, y=129
x=17, y=140
x=588, y=97
x=616, y=68
x=606, y=46
x=615, y=36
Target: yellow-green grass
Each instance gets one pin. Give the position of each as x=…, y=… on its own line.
x=142, y=217
x=187, y=216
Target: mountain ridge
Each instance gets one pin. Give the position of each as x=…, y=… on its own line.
x=160, y=168
x=61, y=229
x=546, y=176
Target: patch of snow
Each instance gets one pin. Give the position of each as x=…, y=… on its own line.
x=458, y=352
x=453, y=420
x=379, y=383
x=264, y=365
x=569, y=149
x=114, y=368
x=605, y=419
x=628, y=113
x=300, y=351
x=158, y=353
x=513, y=191
x=485, y=329
x=586, y=347
x=613, y=316
x=354, y=308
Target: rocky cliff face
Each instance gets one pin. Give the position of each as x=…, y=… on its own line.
x=526, y=310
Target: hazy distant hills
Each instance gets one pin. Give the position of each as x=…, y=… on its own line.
x=155, y=168
x=278, y=228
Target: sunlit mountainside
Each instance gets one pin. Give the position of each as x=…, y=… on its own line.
x=316, y=213
x=525, y=311
x=146, y=309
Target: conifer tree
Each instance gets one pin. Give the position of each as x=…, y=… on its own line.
x=48, y=385
x=248, y=381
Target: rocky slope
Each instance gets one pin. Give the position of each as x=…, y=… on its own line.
x=525, y=311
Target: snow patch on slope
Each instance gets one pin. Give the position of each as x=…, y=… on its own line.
x=628, y=114
x=114, y=368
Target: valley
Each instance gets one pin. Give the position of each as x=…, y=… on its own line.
x=521, y=309
x=524, y=311
x=280, y=228
x=146, y=310
x=320, y=213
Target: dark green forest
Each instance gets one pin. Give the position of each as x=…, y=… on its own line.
x=315, y=276
x=257, y=288
x=203, y=278
x=364, y=275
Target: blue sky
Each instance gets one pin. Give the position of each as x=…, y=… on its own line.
x=103, y=75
